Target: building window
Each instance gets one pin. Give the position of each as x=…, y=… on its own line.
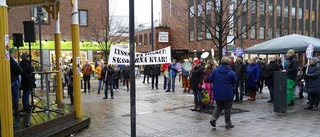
x=191, y=35
x=244, y=32
x=262, y=6
x=42, y=13
x=278, y=33
x=191, y=12
x=300, y=13
x=83, y=18
x=244, y=7
x=313, y=15
x=200, y=9
x=270, y=9
x=293, y=12
x=208, y=7
x=150, y=38
x=299, y=32
x=208, y=34
x=306, y=14
x=261, y=33
x=285, y=32
x=270, y=33
x=217, y=31
x=253, y=6
x=140, y=40
x=278, y=10
x=199, y=34
x=286, y=10
x=253, y=32
x=145, y=39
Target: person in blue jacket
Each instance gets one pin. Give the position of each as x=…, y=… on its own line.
x=223, y=79
x=253, y=76
x=172, y=75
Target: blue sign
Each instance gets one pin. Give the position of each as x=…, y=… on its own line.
x=238, y=51
x=224, y=51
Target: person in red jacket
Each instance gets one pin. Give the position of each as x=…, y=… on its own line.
x=165, y=75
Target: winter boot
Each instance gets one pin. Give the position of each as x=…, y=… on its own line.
x=254, y=96
x=195, y=105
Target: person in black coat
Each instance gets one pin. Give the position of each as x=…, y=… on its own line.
x=268, y=76
x=116, y=78
x=126, y=76
x=312, y=87
x=155, y=72
x=241, y=72
x=27, y=79
x=146, y=73
x=196, y=83
x=107, y=75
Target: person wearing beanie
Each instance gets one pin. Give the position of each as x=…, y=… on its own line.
x=291, y=70
x=27, y=79
x=196, y=83
x=253, y=76
x=268, y=76
x=224, y=79
x=312, y=87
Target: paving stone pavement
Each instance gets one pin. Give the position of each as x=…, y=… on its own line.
x=162, y=114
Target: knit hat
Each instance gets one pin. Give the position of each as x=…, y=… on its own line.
x=24, y=56
x=11, y=51
x=315, y=59
x=197, y=61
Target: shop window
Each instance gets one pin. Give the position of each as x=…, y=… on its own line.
x=261, y=33
x=83, y=18
x=40, y=14
x=191, y=35
x=253, y=32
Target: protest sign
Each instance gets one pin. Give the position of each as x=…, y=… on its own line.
x=121, y=56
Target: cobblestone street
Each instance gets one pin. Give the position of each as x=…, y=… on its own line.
x=168, y=114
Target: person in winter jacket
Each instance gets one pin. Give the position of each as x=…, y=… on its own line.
x=155, y=73
x=165, y=75
x=223, y=79
x=86, y=71
x=70, y=82
x=126, y=76
x=196, y=83
x=185, y=76
x=241, y=73
x=146, y=73
x=107, y=75
x=206, y=80
x=292, y=70
x=269, y=78
x=312, y=87
x=253, y=76
x=27, y=79
x=99, y=71
x=172, y=71
x=116, y=78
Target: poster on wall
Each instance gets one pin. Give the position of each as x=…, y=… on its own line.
x=164, y=37
x=121, y=56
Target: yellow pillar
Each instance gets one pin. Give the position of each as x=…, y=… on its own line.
x=5, y=80
x=57, y=42
x=76, y=59
x=59, y=74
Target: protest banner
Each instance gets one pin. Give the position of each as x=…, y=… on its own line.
x=121, y=56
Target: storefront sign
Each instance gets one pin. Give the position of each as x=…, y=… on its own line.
x=164, y=37
x=121, y=56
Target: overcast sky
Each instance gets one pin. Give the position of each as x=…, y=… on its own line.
x=142, y=9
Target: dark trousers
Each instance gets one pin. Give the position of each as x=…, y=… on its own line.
x=227, y=106
x=239, y=84
x=165, y=83
x=70, y=92
x=271, y=89
x=26, y=97
x=115, y=83
x=314, y=99
x=144, y=78
x=155, y=77
x=86, y=79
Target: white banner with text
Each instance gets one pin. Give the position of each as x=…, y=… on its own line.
x=121, y=56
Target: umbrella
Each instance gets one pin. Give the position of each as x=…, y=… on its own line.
x=298, y=43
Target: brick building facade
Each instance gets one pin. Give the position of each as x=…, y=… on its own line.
x=280, y=18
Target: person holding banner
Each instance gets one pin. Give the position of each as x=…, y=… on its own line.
x=291, y=70
x=172, y=71
x=312, y=78
x=107, y=75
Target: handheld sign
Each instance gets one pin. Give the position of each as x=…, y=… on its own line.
x=238, y=52
x=309, y=53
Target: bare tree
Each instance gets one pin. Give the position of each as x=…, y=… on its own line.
x=107, y=30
